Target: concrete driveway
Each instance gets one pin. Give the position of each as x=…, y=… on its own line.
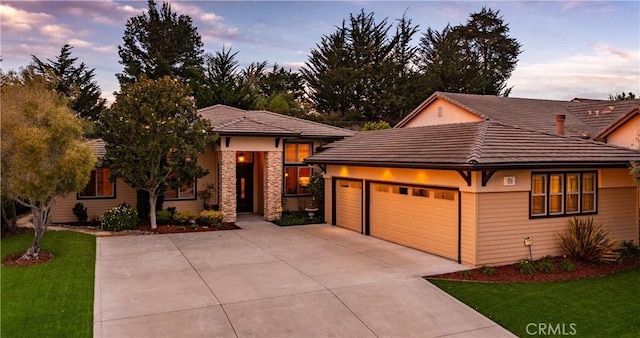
x=267, y=281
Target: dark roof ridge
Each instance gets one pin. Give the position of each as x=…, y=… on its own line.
x=476, y=147
x=231, y=122
x=274, y=126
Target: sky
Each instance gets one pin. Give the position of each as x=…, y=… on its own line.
x=570, y=49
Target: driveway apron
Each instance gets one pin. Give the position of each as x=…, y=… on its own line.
x=268, y=281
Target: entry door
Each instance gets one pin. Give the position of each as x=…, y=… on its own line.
x=244, y=187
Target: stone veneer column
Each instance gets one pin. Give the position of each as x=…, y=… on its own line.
x=228, y=185
x=272, y=184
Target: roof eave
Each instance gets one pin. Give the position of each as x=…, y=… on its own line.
x=477, y=166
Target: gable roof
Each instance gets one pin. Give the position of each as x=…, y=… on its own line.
x=233, y=121
x=472, y=146
x=584, y=117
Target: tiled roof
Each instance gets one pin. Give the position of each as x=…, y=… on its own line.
x=233, y=121
x=584, y=117
x=475, y=145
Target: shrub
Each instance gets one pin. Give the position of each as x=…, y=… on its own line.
x=567, y=265
x=81, y=212
x=163, y=216
x=545, y=265
x=380, y=125
x=586, y=240
x=298, y=218
x=172, y=211
x=119, y=218
x=210, y=218
x=629, y=250
x=488, y=270
x=526, y=266
x=466, y=274
x=184, y=217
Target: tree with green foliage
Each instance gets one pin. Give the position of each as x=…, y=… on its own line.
x=380, y=125
x=622, y=96
x=153, y=136
x=161, y=43
x=76, y=82
x=43, y=154
x=477, y=57
x=279, y=90
x=363, y=71
x=223, y=83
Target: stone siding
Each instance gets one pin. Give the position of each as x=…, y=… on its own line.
x=272, y=185
x=228, y=185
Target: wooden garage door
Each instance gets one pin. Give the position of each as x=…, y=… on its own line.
x=421, y=218
x=349, y=204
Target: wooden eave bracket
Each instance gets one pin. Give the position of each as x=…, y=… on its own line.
x=277, y=142
x=466, y=175
x=486, y=176
x=227, y=141
x=323, y=167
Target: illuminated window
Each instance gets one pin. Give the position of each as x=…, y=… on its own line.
x=297, y=175
x=560, y=194
x=99, y=185
x=180, y=191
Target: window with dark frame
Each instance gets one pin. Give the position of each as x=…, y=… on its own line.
x=297, y=175
x=177, y=191
x=561, y=194
x=99, y=185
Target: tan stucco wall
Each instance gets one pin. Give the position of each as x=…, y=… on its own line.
x=450, y=114
x=627, y=134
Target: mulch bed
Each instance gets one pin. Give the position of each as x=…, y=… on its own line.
x=145, y=227
x=511, y=273
x=14, y=259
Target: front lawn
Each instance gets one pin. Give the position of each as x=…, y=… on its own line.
x=597, y=307
x=53, y=299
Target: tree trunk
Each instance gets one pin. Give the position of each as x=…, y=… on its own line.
x=9, y=219
x=153, y=197
x=41, y=219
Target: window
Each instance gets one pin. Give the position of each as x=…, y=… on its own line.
x=99, y=185
x=297, y=175
x=558, y=194
x=538, y=195
x=178, y=191
x=420, y=192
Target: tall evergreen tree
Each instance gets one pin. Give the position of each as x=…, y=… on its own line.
x=161, y=43
x=362, y=71
x=223, y=83
x=477, y=57
x=76, y=82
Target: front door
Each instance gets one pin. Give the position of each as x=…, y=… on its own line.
x=244, y=187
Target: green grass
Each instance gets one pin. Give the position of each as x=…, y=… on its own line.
x=53, y=299
x=598, y=307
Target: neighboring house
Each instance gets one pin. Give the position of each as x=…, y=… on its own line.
x=469, y=177
x=256, y=166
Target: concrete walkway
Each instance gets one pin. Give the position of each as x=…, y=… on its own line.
x=267, y=281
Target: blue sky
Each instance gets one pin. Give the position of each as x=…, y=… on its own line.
x=570, y=48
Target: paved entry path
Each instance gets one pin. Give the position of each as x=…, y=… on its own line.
x=268, y=281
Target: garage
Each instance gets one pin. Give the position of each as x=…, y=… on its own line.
x=422, y=218
x=348, y=204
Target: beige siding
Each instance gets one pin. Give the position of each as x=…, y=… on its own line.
x=296, y=203
x=441, y=112
x=627, y=134
x=503, y=223
x=469, y=238
x=209, y=161
x=62, y=211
